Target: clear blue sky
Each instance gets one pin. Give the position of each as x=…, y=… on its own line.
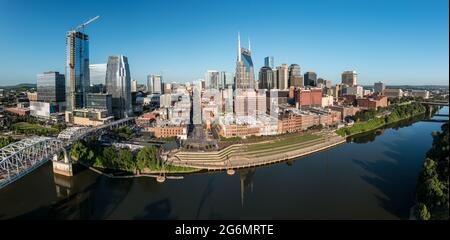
x=397, y=42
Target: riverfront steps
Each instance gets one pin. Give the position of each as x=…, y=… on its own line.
x=258, y=157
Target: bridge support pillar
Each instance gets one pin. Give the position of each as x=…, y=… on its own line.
x=63, y=167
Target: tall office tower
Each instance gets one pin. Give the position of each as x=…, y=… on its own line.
x=266, y=78
x=197, y=104
x=350, y=78
x=245, y=76
x=283, y=76
x=275, y=78
x=149, y=84
x=223, y=80
x=77, y=69
x=295, y=78
x=212, y=79
x=97, y=73
x=310, y=79
x=268, y=62
x=133, y=85
x=154, y=84
x=118, y=84
x=379, y=88
x=51, y=87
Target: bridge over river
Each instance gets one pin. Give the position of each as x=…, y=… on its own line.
x=20, y=158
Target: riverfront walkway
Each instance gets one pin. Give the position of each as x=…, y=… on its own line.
x=252, y=155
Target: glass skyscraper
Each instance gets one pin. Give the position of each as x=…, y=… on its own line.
x=295, y=78
x=310, y=79
x=245, y=76
x=268, y=62
x=118, y=84
x=212, y=79
x=51, y=87
x=77, y=69
x=154, y=84
x=266, y=78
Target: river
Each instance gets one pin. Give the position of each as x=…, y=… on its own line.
x=372, y=176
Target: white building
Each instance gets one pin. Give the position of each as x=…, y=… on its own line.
x=425, y=94
x=393, y=93
x=327, y=101
x=357, y=90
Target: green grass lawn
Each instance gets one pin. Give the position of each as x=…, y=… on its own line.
x=31, y=128
x=283, y=142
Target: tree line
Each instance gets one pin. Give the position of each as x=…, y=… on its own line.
x=432, y=184
x=109, y=157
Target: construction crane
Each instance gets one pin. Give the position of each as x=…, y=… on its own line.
x=86, y=23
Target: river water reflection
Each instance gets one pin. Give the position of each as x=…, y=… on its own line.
x=372, y=176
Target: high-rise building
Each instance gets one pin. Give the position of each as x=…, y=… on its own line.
x=101, y=101
x=283, y=76
x=97, y=73
x=350, y=78
x=118, y=84
x=310, y=79
x=295, y=77
x=379, y=88
x=245, y=76
x=51, y=87
x=275, y=78
x=154, y=84
x=223, y=80
x=77, y=69
x=266, y=80
x=268, y=62
x=212, y=79
x=133, y=85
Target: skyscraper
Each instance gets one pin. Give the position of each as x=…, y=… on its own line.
x=133, y=85
x=310, y=79
x=350, y=78
x=118, y=84
x=223, y=80
x=275, y=78
x=245, y=76
x=268, y=62
x=51, y=87
x=77, y=69
x=295, y=78
x=154, y=84
x=266, y=80
x=97, y=73
x=283, y=76
x=212, y=79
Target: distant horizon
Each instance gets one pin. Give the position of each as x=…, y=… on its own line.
x=396, y=42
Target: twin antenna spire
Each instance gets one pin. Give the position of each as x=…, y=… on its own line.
x=239, y=46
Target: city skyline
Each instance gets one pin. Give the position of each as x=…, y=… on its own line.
x=375, y=51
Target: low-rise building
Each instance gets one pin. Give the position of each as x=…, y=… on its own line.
x=425, y=94
x=372, y=102
x=167, y=131
x=89, y=117
x=393, y=92
x=345, y=110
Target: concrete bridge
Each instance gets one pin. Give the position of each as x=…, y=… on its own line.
x=20, y=158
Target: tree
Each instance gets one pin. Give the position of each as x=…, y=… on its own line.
x=124, y=160
x=422, y=212
x=146, y=157
x=109, y=157
x=78, y=151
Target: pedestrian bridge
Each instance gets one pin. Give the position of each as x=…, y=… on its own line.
x=20, y=158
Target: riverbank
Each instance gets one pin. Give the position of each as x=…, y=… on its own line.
x=252, y=155
x=398, y=113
